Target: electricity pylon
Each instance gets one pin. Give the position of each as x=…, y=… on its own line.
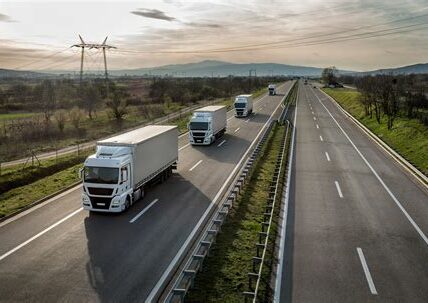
x=102, y=46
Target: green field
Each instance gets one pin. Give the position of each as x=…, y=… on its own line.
x=16, y=116
x=224, y=274
x=409, y=137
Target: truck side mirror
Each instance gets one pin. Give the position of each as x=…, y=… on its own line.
x=81, y=172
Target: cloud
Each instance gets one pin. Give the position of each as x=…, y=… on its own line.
x=207, y=25
x=153, y=14
x=6, y=18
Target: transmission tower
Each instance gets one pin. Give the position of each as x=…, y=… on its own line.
x=102, y=46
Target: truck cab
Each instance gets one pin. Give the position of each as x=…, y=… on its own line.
x=272, y=89
x=207, y=124
x=243, y=105
x=107, y=179
x=201, y=129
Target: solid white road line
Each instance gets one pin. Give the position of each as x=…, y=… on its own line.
x=318, y=126
x=237, y=129
x=184, y=146
x=400, y=206
x=366, y=271
x=40, y=234
x=182, y=249
x=278, y=276
x=221, y=143
x=194, y=166
x=143, y=211
x=339, y=191
x=321, y=139
x=327, y=156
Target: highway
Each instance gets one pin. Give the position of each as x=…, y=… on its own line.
x=357, y=225
x=58, y=252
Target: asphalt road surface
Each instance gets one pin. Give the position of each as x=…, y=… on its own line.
x=59, y=252
x=357, y=223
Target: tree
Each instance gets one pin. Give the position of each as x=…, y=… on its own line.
x=117, y=104
x=75, y=115
x=90, y=98
x=48, y=100
x=329, y=75
x=60, y=118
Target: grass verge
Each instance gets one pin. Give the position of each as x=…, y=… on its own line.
x=408, y=137
x=224, y=274
x=16, y=199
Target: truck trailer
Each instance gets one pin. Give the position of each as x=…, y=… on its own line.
x=207, y=124
x=116, y=175
x=243, y=105
x=272, y=89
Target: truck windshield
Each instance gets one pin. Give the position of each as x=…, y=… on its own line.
x=240, y=105
x=198, y=125
x=105, y=175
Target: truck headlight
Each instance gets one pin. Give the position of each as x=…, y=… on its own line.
x=115, y=200
x=85, y=198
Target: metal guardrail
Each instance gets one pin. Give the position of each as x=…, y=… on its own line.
x=186, y=277
x=254, y=277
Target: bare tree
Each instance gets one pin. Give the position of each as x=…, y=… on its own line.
x=48, y=100
x=117, y=105
x=90, y=99
x=329, y=75
x=75, y=115
x=60, y=118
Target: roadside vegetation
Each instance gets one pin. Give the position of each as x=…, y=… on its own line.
x=223, y=277
x=406, y=132
x=44, y=115
x=22, y=185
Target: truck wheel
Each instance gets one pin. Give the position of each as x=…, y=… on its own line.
x=127, y=203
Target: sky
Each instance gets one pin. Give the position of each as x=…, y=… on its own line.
x=355, y=35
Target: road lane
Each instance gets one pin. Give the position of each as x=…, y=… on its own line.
x=324, y=229
x=102, y=257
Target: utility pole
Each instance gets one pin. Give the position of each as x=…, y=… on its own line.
x=102, y=46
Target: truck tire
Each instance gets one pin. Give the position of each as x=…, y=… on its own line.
x=127, y=203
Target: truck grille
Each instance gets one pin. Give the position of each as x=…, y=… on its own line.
x=100, y=191
x=196, y=134
x=100, y=203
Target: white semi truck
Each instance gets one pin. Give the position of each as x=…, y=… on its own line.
x=115, y=176
x=207, y=124
x=243, y=105
x=272, y=89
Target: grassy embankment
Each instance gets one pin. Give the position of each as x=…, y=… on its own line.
x=20, y=187
x=224, y=274
x=408, y=137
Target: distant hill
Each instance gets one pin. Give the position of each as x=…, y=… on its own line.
x=421, y=68
x=10, y=73
x=210, y=68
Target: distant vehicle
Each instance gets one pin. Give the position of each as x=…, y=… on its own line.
x=306, y=82
x=207, y=124
x=272, y=89
x=115, y=176
x=243, y=105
